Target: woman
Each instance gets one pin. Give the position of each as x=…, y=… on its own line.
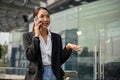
x=44, y=49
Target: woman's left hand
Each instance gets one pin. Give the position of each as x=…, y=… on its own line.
x=73, y=47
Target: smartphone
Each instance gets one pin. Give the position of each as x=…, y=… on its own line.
x=35, y=19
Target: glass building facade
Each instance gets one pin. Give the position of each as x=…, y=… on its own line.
x=95, y=26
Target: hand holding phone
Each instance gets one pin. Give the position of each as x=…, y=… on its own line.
x=38, y=22
x=37, y=26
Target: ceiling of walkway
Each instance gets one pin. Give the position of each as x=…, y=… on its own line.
x=12, y=11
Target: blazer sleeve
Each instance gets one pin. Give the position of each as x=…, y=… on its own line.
x=31, y=45
x=64, y=53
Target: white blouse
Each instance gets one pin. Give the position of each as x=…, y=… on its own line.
x=46, y=49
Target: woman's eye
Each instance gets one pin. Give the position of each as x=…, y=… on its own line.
x=42, y=16
x=48, y=16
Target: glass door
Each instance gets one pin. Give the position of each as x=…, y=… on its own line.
x=107, y=53
x=86, y=60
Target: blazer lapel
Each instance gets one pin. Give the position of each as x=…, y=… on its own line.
x=53, y=44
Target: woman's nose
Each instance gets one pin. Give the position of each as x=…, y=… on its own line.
x=45, y=19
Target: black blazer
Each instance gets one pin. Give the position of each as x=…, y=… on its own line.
x=33, y=54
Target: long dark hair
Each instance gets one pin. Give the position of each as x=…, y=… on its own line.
x=35, y=12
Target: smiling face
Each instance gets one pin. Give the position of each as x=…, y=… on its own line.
x=43, y=17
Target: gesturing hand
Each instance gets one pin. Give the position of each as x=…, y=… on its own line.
x=73, y=47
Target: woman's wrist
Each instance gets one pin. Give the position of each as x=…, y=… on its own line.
x=36, y=35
